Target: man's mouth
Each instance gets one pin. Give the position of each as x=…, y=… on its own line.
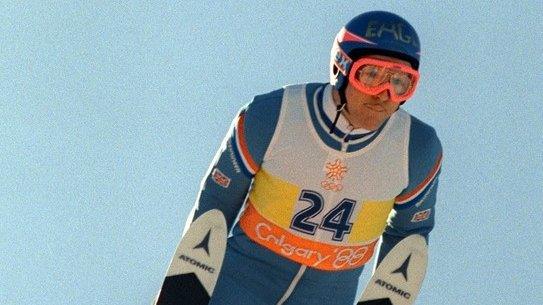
x=375, y=107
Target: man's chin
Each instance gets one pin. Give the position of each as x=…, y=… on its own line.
x=374, y=124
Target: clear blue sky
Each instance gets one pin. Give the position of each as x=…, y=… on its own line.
x=111, y=113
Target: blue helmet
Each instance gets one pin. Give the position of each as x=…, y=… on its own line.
x=376, y=33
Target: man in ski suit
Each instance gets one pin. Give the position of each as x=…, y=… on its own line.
x=322, y=171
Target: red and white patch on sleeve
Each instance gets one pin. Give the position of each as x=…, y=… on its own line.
x=422, y=215
x=220, y=178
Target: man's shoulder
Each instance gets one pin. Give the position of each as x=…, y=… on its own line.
x=425, y=155
x=423, y=136
x=265, y=104
x=270, y=96
x=265, y=108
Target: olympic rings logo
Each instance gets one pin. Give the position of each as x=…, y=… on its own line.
x=331, y=186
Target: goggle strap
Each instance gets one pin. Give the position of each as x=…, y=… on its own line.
x=339, y=109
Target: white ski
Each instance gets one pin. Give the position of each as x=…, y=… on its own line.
x=398, y=278
x=195, y=267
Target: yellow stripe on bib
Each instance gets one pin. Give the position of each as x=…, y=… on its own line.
x=371, y=221
x=274, y=198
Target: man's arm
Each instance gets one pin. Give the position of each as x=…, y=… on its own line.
x=414, y=209
x=402, y=259
x=228, y=178
x=197, y=261
x=230, y=174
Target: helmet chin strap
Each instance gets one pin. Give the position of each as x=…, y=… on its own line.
x=339, y=108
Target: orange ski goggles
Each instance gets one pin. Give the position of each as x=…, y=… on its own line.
x=372, y=76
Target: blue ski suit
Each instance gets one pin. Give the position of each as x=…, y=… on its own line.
x=307, y=208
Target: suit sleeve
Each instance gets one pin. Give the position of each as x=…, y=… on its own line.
x=414, y=208
x=229, y=176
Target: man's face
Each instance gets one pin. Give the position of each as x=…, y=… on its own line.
x=370, y=111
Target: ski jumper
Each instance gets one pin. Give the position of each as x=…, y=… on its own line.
x=313, y=204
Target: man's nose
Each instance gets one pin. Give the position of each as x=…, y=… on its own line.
x=383, y=96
